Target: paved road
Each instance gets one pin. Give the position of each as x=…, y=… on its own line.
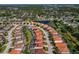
x=9, y=40
x=47, y=40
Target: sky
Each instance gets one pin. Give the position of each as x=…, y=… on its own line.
x=39, y=1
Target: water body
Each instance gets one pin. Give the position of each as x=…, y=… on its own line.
x=44, y=22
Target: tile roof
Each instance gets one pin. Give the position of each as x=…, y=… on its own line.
x=15, y=52
x=62, y=47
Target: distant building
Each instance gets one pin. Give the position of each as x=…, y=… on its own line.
x=1, y=37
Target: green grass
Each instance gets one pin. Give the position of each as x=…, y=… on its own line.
x=27, y=51
x=45, y=48
x=28, y=35
x=2, y=49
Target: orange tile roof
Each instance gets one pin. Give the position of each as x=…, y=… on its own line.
x=39, y=36
x=40, y=40
x=39, y=45
x=39, y=51
x=15, y=52
x=62, y=47
x=34, y=22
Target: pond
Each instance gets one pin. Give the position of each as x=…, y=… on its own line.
x=44, y=22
